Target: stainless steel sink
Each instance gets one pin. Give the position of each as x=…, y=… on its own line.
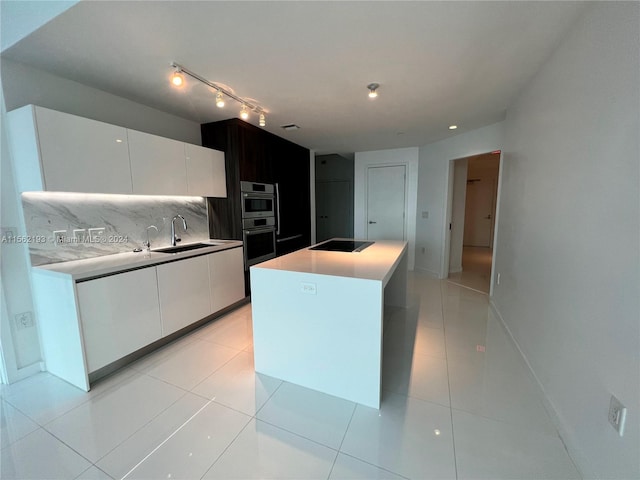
x=184, y=248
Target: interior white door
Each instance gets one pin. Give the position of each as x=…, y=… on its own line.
x=386, y=200
x=334, y=207
x=478, y=217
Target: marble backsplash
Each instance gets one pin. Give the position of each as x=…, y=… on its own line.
x=125, y=219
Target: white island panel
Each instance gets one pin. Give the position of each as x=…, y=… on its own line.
x=325, y=341
x=318, y=317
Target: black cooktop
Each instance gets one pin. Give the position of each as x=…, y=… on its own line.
x=342, y=246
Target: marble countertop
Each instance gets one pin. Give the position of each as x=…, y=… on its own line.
x=118, y=262
x=375, y=262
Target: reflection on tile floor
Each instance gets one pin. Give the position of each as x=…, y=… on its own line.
x=458, y=402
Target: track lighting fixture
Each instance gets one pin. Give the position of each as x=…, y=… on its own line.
x=221, y=92
x=373, y=90
x=219, y=99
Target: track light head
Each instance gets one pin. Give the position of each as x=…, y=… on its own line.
x=244, y=113
x=219, y=99
x=177, y=78
x=263, y=120
x=373, y=90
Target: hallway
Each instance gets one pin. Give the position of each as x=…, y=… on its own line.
x=476, y=269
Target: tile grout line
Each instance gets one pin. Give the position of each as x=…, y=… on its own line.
x=253, y=417
x=167, y=439
x=446, y=356
x=355, y=406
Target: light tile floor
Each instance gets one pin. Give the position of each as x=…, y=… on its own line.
x=476, y=269
x=458, y=402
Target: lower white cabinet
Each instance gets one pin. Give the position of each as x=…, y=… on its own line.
x=226, y=271
x=89, y=324
x=183, y=287
x=119, y=314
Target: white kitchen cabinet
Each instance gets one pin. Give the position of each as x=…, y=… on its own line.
x=157, y=164
x=55, y=151
x=226, y=272
x=120, y=314
x=206, y=174
x=183, y=287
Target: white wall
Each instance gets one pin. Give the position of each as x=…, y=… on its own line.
x=22, y=85
x=569, y=235
x=398, y=156
x=435, y=181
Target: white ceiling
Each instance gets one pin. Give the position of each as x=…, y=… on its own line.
x=308, y=63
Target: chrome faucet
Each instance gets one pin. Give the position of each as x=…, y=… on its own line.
x=175, y=238
x=148, y=244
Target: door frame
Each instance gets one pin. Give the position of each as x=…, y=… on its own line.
x=406, y=197
x=446, y=243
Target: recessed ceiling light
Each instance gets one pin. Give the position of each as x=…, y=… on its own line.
x=453, y=127
x=373, y=87
x=291, y=126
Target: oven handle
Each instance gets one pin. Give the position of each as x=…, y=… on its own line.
x=278, y=207
x=286, y=239
x=256, y=231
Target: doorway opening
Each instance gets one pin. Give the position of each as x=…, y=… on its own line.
x=473, y=214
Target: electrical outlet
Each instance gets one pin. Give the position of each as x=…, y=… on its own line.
x=59, y=237
x=309, y=288
x=96, y=234
x=617, y=415
x=24, y=320
x=425, y=214
x=79, y=234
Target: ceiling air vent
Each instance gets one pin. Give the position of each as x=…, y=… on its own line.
x=291, y=126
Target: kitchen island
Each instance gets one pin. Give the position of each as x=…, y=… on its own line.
x=318, y=317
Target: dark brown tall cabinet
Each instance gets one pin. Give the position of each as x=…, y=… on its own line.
x=255, y=155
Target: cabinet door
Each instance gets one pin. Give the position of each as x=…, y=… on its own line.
x=253, y=146
x=119, y=315
x=82, y=155
x=183, y=287
x=226, y=269
x=157, y=164
x=205, y=171
x=291, y=164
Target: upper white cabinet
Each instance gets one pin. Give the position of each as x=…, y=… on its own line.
x=206, y=174
x=157, y=165
x=56, y=151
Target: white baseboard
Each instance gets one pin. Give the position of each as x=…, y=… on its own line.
x=431, y=273
x=27, y=371
x=580, y=461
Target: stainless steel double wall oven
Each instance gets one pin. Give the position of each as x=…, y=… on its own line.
x=258, y=222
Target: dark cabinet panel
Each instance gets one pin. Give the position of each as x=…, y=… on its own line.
x=291, y=171
x=254, y=155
